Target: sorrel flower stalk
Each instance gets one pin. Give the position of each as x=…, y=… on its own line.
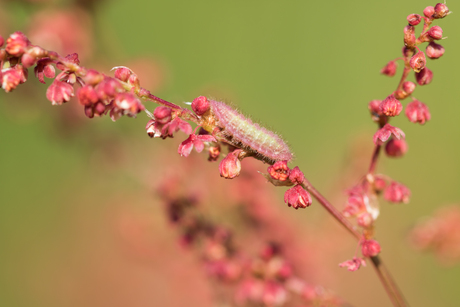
x=218, y=125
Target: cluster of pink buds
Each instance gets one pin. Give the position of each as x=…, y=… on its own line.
x=279, y=174
x=98, y=93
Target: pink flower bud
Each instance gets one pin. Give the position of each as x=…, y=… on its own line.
x=424, y=77
x=418, y=112
x=126, y=104
x=162, y=114
x=99, y=108
x=297, y=197
x=59, y=92
x=409, y=36
x=374, y=107
x=28, y=60
x=428, y=11
x=379, y=183
x=108, y=88
x=390, y=106
x=10, y=79
x=279, y=171
x=296, y=176
x=389, y=69
x=17, y=43
x=418, y=61
x=353, y=264
x=434, y=51
x=370, y=248
x=435, y=32
x=400, y=94
x=150, y=127
x=396, y=148
x=383, y=134
x=133, y=80
x=414, y=19
x=440, y=11
x=214, y=153
x=87, y=95
x=230, y=166
x=365, y=220
x=122, y=73
x=408, y=87
x=93, y=77
x=397, y=193
x=200, y=105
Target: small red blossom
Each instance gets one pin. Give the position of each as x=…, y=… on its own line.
x=353, y=264
x=230, y=166
x=379, y=183
x=194, y=140
x=87, y=95
x=389, y=69
x=122, y=73
x=374, y=107
x=409, y=36
x=396, y=148
x=414, y=19
x=424, y=77
x=17, y=43
x=162, y=114
x=409, y=87
x=175, y=125
x=44, y=69
x=418, y=112
x=97, y=109
x=279, y=171
x=434, y=51
x=297, y=197
x=214, y=153
x=59, y=92
x=383, y=134
x=418, y=61
x=108, y=88
x=370, y=248
x=66, y=64
x=200, y=105
x=296, y=176
x=397, y=193
x=355, y=204
x=390, y=106
x=428, y=11
x=125, y=104
x=11, y=78
x=28, y=60
x=440, y=11
x=435, y=32
x=365, y=220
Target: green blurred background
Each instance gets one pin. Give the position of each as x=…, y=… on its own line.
x=305, y=68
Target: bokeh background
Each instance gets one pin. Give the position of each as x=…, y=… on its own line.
x=80, y=224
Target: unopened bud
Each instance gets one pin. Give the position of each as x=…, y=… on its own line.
x=365, y=220
x=414, y=19
x=200, y=105
x=434, y=51
x=230, y=166
x=408, y=87
x=297, y=197
x=396, y=148
x=397, y=193
x=370, y=248
x=440, y=11
x=424, y=77
x=418, y=112
x=428, y=11
x=17, y=43
x=389, y=69
x=122, y=73
x=162, y=114
x=435, y=32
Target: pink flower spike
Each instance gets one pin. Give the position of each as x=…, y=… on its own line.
x=185, y=148
x=17, y=43
x=397, y=193
x=383, y=134
x=353, y=264
x=279, y=171
x=424, y=77
x=414, y=19
x=396, y=148
x=296, y=176
x=389, y=69
x=418, y=61
x=418, y=112
x=390, y=106
x=370, y=248
x=59, y=92
x=434, y=51
x=230, y=166
x=297, y=197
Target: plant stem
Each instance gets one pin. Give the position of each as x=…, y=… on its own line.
x=384, y=275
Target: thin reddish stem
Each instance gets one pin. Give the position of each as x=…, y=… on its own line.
x=374, y=159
